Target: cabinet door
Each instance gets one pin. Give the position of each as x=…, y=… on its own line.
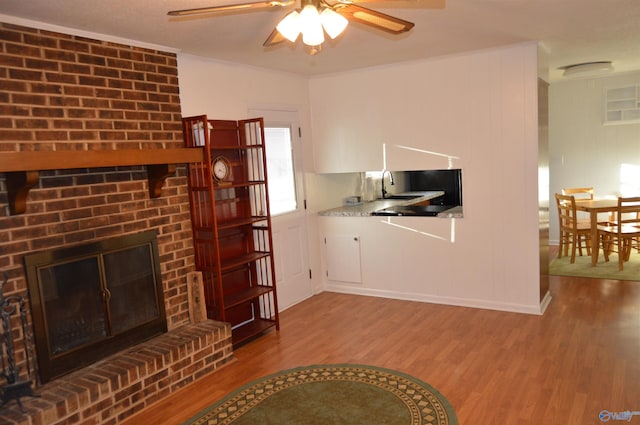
x=343, y=258
x=344, y=150
x=346, y=131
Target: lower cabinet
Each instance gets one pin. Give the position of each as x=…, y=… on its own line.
x=343, y=258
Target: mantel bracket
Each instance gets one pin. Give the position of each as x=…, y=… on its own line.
x=18, y=185
x=157, y=174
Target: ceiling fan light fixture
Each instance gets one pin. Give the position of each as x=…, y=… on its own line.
x=289, y=26
x=314, y=18
x=332, y=22
x=311, y=26
x=313, y=50
x=588, y=69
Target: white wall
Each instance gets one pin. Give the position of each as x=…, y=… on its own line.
x=482, y=108
x=227, y=91
x=583, y=151
x=487, y=117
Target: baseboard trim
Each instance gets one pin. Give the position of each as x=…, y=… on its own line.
x=434, y=299
x=546, y=300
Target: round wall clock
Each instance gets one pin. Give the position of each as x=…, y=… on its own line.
x=221, y=169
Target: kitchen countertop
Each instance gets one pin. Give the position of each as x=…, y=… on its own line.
x=365, y=209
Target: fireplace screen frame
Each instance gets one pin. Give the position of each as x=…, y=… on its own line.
x=52, y=365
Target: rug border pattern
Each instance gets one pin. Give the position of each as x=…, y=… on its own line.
x=424, y=403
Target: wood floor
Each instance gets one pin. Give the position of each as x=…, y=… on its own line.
x=581, y=357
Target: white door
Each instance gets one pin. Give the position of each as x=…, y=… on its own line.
x=286, y=197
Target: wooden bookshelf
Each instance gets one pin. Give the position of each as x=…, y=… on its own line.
x=231, y=224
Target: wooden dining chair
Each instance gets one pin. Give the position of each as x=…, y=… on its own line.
x=572, y=231
x=624, y=235
x=579, y=192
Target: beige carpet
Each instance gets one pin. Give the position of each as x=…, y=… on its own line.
x=603, y=270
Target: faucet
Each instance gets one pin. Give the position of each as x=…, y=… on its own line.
x=384, y=191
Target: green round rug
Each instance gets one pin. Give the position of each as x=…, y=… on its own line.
x=331, y=394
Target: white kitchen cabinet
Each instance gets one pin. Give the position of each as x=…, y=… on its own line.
x=410, y=123
x=343, y=258
x=344, y=152
x=391, y=256
x=347, y=134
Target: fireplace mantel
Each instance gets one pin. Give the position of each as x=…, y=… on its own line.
x=22, y=169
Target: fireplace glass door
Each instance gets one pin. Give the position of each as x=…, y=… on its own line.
x=92, y=300
x=130, y=288
x=73, y=304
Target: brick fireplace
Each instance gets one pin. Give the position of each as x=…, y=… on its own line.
x=67, y=93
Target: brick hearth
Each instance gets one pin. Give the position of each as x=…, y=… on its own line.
x=125, y=383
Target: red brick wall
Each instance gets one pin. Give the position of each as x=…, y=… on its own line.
x=63, y=92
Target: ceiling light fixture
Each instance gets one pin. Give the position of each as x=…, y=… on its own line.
x=588, y=69
x=312, y=23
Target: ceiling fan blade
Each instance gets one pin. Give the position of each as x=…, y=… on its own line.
x=230, y=7
x=373, y=18
x=274, y=38
x=423, y=4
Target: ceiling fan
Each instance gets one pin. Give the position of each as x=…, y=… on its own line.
x=316, y=17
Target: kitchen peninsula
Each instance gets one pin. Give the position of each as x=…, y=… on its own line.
x=393, y=206
x=367, y=252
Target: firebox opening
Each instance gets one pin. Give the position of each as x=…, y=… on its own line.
x=93, y=300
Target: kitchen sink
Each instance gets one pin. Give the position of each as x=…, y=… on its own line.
x=405, y=197
x=413, y=210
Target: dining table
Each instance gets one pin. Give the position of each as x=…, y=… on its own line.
x=595, y=207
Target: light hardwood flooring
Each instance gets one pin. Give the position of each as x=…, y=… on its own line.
x=564, y=367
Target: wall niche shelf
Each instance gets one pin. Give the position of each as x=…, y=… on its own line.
x=22, y=169
x=622, y=105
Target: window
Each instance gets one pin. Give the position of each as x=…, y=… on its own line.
x=280, y=171
x=629, y=179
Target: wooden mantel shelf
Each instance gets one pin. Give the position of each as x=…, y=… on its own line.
x=22, y=169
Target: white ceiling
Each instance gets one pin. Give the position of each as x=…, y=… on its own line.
x=572, y=31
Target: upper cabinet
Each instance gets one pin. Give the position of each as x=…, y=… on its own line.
x=399, y=118
x=347, y=130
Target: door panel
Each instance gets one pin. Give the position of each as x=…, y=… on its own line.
x=292, y=270
x=289, y=230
